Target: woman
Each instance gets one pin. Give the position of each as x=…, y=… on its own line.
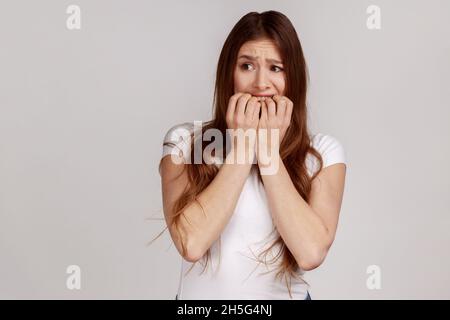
x=253, y=234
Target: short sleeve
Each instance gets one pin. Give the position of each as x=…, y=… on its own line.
x=177, y=140
x=330, y=148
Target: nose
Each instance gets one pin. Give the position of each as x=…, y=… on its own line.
x=261, y=81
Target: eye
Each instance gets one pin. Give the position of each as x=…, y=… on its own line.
x=244, y=66
x=275, y=68
x=278, y=68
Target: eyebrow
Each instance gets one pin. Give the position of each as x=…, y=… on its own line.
x=244, y=56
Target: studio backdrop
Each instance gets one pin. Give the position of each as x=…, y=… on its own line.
x=88, y=89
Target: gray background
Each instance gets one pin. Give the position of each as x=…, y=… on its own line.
x=83, y=114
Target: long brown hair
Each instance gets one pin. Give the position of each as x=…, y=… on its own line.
x=296, y=144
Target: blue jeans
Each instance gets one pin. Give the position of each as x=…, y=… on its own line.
x=308, y=297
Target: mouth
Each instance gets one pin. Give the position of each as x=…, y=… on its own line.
x=263, y=95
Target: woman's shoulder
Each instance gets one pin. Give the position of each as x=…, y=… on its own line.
x=177, y=139
x=330, y=148
x=178, y=130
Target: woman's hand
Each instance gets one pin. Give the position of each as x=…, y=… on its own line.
x=243, y=113
x=275, y=114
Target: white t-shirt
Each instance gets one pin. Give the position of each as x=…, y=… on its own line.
x=240, y=275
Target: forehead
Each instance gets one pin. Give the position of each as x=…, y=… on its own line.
x=257, y=47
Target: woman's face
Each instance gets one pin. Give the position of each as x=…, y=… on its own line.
x=259, y=69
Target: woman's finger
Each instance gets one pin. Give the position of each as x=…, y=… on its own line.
x=241, y=104
x=249, y=110
x=271, y=108
x=256, y=111
x=288, y=114
x=263, y=112
x=232, y=106
x=281, y=106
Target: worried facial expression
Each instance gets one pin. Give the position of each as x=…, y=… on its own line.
x=259, y=69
